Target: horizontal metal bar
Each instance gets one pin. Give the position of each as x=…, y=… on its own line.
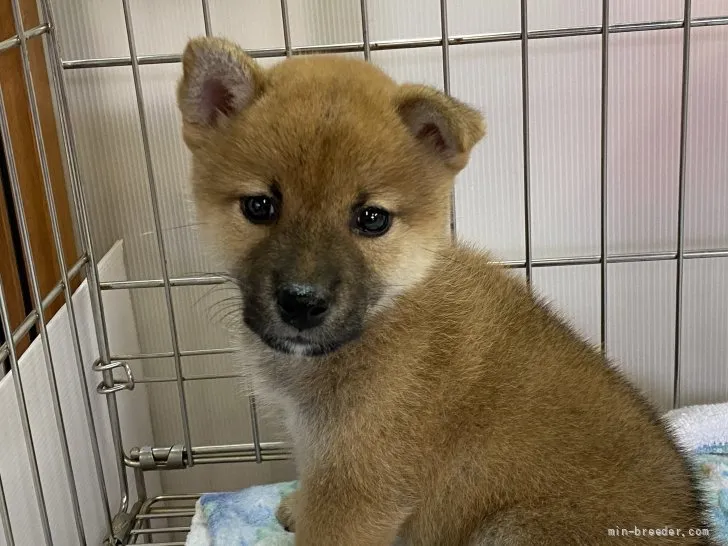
x=234, y=448
x=170, y=498
x=264, y=458
x=167, y=513
x=37, y=31
x=218, y=449
x=25, y=326
x=230, y=453
x=159, y=530
x=197, y=352
x=197, y=280
x=709, y=21
x=389, y=45
x=545, y=262
x=619, y=258
x=158, y=544
x=205, y=377
x=34, y=32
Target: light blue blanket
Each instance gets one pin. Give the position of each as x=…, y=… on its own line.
x=713, y=469
x=247, y=517
x=241, y=518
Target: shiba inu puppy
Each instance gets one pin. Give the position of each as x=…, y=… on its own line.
x=430, y=397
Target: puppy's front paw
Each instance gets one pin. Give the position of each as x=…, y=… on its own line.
x=285, y=513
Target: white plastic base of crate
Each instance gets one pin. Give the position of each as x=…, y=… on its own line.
x=133, y=408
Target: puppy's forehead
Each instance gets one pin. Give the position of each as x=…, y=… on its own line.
x=327, y=127
x=324, y=97
x=328, y=74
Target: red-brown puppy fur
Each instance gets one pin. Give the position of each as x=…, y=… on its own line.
x=438, y=400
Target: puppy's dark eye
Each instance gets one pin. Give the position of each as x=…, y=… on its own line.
x=259, y=209
x=371, y=221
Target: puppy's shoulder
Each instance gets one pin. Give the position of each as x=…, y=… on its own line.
x=468, y=277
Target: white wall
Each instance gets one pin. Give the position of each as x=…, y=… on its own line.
x=644, y=107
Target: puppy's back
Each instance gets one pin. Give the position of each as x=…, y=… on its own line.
x=567, y=449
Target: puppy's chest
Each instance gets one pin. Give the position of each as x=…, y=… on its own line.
x=310, y=436
x=320, y=426
x=322, y=401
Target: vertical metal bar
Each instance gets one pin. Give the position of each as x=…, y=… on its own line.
x=36, y=296
x=97, y=306
x=158, y=227
x=61, y=260
x=445, y=44
x=141, y=486
x=365, y=30
x=255, y=429
x=681, y=198
x=604, y=164
x=445, y=36
x=5, y=516
x=286, y=28
x=14, y=367
x=206, y=17
x=526, y=140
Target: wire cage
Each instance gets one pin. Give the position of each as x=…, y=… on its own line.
x=142, y=514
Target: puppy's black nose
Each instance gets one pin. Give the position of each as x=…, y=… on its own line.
x=302, y=306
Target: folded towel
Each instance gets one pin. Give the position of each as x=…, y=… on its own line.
x=703, y=431
x=247, y=517
x=702, y=428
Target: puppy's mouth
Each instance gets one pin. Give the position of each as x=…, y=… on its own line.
x=298, y=345
x=287, y=341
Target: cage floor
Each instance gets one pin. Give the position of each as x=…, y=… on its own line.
x=163, y=521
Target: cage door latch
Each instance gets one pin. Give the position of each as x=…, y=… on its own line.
x=156, y=458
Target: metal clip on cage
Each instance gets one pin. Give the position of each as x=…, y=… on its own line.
x=136, y=522
x=118, y=385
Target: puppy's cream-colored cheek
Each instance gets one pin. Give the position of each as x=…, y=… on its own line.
x=217, y=247
x=403, y=280
x=402, y=261
x=225, y=235
x=412, y=266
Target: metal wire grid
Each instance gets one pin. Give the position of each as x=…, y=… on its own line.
x=39, y=304
x=166, y=510
x=131, y=523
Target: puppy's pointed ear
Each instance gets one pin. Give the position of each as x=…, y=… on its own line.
x=219, y=80
x=447, y=127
